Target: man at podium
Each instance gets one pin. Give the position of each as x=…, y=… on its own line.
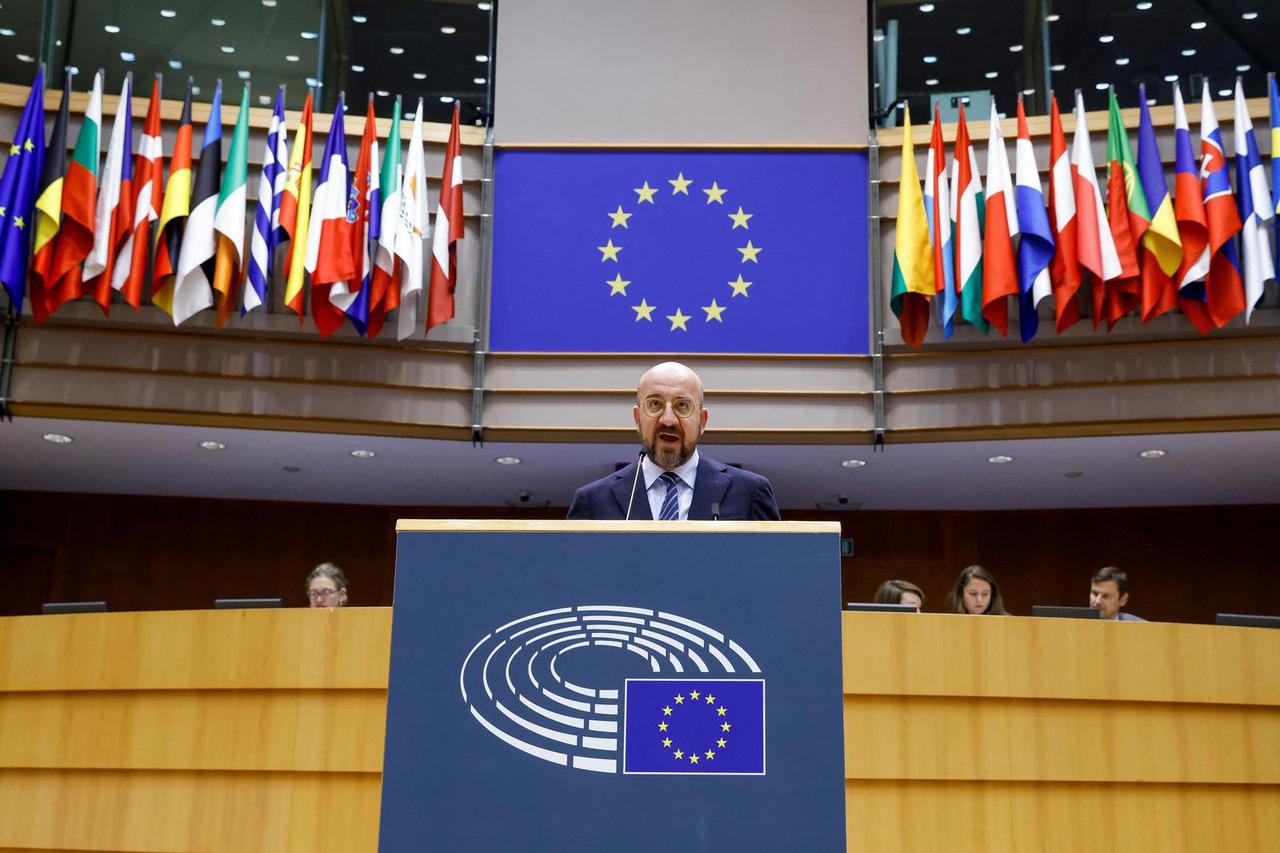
x=671, y=480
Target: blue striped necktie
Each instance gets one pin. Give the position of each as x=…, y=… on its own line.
x=671, y=501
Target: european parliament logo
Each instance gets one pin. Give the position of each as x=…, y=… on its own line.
x=700, y=709
x=691, y=251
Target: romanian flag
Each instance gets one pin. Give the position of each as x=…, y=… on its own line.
x=329, y=236
x=1161, y=245
x=1128, y=218
x=174, y=213
x=448, y=230
x=1096, y=247
x=1224, y=289
x=384, y=287
x=229, y=219
x=913, y=273
x=48, y=208
x=1064, y=268
x=148, y=179
x=18, y=189
x=999, y=269
x=937, y=207
x=295, y=210
x=79, y=200
x=113, y=222
x=966, y=216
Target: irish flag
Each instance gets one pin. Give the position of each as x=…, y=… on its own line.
x=229, y=218
x=384, y=287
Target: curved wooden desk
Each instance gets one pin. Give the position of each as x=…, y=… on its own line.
x=263, y=730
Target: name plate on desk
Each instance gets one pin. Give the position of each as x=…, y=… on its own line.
x=615, y=686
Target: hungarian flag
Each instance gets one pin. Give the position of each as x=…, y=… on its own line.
x=410, y=233
x=267, y=233
x=362, y=212
x=1161, y=245
x=1255, y=208
x=193, y=291
x=18, y=188
x=113, y=220
x=48, y=208
x=174, y=213
x=448, y=231
x=1064, y=269
x=937, y=209
x=913, y=281
x=966, y=217
x=229, y=218
x=999, y=270
x=1096, y=248
x=384, y=287
x=79, y=202
x=329, y=234
x=295, y=210
x=1036, y=248
x=148, y=176
x=1224, y=290
x=1127, y=216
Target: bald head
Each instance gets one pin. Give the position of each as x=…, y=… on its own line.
x=664, y=391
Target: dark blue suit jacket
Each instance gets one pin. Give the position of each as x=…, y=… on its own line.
x=742, y=495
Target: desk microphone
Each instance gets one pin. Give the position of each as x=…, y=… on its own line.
x=634, y=483
x=715, y=511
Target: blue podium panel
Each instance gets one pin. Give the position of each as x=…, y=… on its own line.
x=564, y=686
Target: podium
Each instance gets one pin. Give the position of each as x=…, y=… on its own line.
x=614, y=685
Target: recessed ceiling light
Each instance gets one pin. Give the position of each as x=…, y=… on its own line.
x=5, y=31
x=1058, y=67
x=1105, y=39
x=878, y=37
x=212, y=445
x=363, y=454
x=418, y=75
x=218, y=22
x=1244, y=68
x=1015, y=48
x=382, y=93
x=57, y=438
x=929, y=60
x=290, y=469
x=360, y=19
x=926, y=7
x=446, y=99
x=243, y=75
x=479, y=81
x=1000, y=459
x=1224, y=93
x=112, y=28
x=1123, y=60
x=1171, y=78
x=1153, y=454
x=448, y=30
x=293, y=57
x=397, y=50
x=1191, y=51
x=482, y=57
x=508, y=460
x=307, y=35
x=1073, y=475
x=991, y=75
x=1102, y=87
x=854, y=463
x=265, y=100
x=270, y=4
x=932, y=81
x=1249, y=16
x=1028, y=91
x=226, y=48
x=963, y=31
x=168, y=13
x=175, y=64
x=1198, y=25
x=314, y=83
x=1144, y=6
x=484, y=7
x=1052, y=18
x=127, y=56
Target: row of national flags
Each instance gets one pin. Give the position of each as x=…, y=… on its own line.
x=78, y=226
x=1129, y=243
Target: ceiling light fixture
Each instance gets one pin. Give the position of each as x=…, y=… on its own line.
x=418, y=75
x=1102, y=87
x=963, y=31
x=5, y=31
x=853, y=463
x=508, y=460
x=25, y=57
x=1106, y=39
x=397, y=50
x=175, y=64
x=1123, y=60
x=1028, y=91
x=270, y=4
x=481, y=57
x=446, y=99
x=448, y=30
x=168, y=13
x=293, y=57
x=1198, y=25
x=360, y=19
x=127, y=56
x=265, y=100
x=1224, y=93
x=991, y=75
x=926, y=7
x=57, y=438
x=1191, y=51
x=484, y=7
x=212, y=445
x=1144, y=6
x=363, y=454
x=218, y=22
x=932, y=81
x=1244, y=68
x=307, y=35
x=1171, y=78
x=1153, y=453
x=1052, y=18
x=112, y=28
x=243, y=75
x=1057, y=67
x=479, y=81
x=1000, y=459
x=1015, y=48
x=1249, y=16
x=382, y=93
x=929, y=60
x=226, y=48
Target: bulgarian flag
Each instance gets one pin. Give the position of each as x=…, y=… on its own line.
x=999, y=271
x=229, y=219
x=1096, y=247
x=148, y=176
x=448, y=230
x=295, y=210
x=1161, y=245
x=937, y=207
x=79, y=203
x=329, y=234
x=966, y=214
x=173, y=215
x=1064, y=268
x=48, y=208
x=384, y=287
x=913, y=281
x=1127, y=216
x=113, y=221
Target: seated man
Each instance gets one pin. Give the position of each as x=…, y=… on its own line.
x=678, y=482
x=1109, y=592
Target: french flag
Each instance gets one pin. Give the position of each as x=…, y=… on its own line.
x=329, y=258
x=1064, y=268
x=1255, y=208
x=1224, y=288
x=1036, y=248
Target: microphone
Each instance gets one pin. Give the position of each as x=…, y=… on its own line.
x=634, y=483
x=715, y=511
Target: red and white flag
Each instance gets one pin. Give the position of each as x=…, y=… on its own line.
x=1096, y=247
x=1064, y=269
x=148, y=183
x=447, y=232
x=113, y=219
x=999, y=269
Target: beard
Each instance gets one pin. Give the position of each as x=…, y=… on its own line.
x=669, y=458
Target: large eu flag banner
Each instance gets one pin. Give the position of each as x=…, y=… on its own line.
x=680, y=252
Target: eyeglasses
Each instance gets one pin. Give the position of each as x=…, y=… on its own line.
x=683, y=407
x=318, y=594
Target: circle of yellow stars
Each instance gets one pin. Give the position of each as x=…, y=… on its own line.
x=645, y=194
x=694, y=757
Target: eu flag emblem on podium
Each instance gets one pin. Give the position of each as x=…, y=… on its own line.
x=680, y=252
x=694, y=726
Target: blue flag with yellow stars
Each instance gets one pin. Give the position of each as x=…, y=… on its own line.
x=695, y=726
x=680, y=252
x=18, y=193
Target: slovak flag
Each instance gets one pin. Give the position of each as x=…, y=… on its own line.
x=1188, y=207
x=1036, y=248
x=1224, y=288
x=1255, y=208
x=329, y=259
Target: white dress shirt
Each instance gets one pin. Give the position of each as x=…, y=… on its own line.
x=657, y=488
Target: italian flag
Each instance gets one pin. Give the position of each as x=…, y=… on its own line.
x=966, y=216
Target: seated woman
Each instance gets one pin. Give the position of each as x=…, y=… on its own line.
x=327, y=586
x=900, y=592
x=976, y=593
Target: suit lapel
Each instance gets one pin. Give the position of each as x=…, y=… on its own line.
x=709, y=488
x=621, y=487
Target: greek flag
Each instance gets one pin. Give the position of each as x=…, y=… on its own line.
x=267, y=232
